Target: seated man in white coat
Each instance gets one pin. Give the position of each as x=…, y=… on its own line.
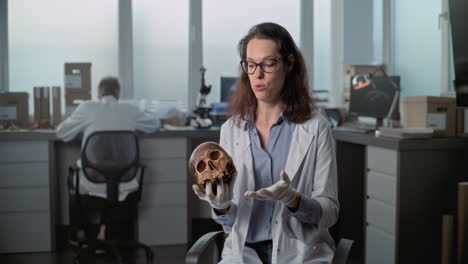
x=105, y=114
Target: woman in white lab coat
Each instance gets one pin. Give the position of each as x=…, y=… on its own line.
x=284, y=197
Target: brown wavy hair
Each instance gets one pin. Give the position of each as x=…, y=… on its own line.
x=295, y=92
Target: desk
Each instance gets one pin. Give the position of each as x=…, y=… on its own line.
x=34, y=193
x=393, y=193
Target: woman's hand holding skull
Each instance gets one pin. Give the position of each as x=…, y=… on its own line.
x=222, y=199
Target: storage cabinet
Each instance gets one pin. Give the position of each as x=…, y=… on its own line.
x=408, y=184
x=163, y=209
x=34, y=196
x=380, y=205
x=26, y=196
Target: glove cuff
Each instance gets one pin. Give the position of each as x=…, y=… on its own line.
x=289, y=196
x=221, y=206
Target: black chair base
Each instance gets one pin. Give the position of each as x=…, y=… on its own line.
x=109, y=251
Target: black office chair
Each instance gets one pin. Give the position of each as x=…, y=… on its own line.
x=111, y=158
x=207, y=249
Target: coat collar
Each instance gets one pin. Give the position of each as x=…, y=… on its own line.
x=300, y=143
x=242, y=143
x=108, y=99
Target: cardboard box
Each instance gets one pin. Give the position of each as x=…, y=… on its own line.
x=37, y=104
x=431, y=112
x=77, y=78
x=56, y=106
x=42, y=116
x=73, y=98
x=14, y=109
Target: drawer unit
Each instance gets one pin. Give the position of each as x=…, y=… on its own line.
x=163, y=148
x=382, y=160
x=17, y=151
x=381, y=187
x=25, y=232
x=21, y=175
x=163, y=208
x=26, y=198
x=167, y=194
x=163, y=225
x=381, y=215
x=381, y=202
x=380, y=246
x=393, y=192
x=165, y=170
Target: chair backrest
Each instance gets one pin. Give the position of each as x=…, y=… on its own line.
x=110, y=157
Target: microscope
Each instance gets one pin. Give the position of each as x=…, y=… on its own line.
x=200, y=117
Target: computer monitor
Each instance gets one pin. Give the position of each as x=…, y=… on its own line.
x=374, y=100
x=227, y=87
x=459, y=23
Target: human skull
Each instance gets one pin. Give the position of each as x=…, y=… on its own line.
x=210, y=162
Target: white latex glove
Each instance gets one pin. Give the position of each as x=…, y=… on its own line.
x=221, y=200
x=279, y=191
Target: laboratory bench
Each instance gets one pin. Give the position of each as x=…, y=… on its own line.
x=34, y=193
x=392, y=192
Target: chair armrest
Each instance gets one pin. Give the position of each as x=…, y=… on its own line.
x=342, y=251
x=140, y=181
x=73, y=171
x=202, y=245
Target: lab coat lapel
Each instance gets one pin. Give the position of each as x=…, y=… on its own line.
x=243, y=145
x=300, y=143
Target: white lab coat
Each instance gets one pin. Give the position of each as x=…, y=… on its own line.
x=106, y=114
x=311, y=165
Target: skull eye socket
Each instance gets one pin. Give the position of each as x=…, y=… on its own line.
x=201, y=166
x=215, y=155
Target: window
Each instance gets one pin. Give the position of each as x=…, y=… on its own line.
x=226, y=22
x=160, y=49
x=45, y=34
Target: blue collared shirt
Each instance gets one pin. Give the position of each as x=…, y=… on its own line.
x=268, y=162
x=267, y=165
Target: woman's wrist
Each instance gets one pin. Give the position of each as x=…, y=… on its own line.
x=294, y=204
x=221, y=211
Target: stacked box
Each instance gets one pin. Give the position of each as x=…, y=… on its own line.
x=45, y=108
x=430, y=112
x=56, y=106
x=77, y=78
x=42, y=107
x=14, y=109
x=77, y=85
x=37, y=104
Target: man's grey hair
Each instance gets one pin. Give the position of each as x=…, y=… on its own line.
x=109, y=86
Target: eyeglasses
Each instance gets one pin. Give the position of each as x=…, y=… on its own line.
x=267, y=66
